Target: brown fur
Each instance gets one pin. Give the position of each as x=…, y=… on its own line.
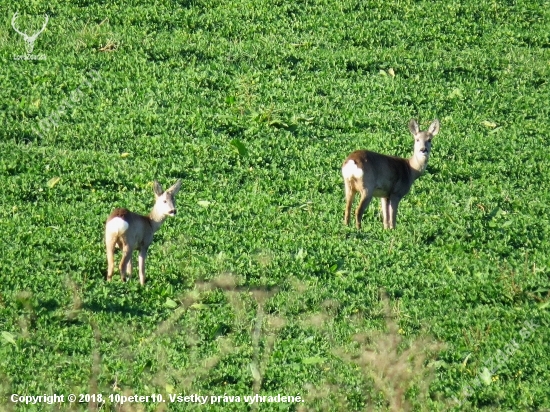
x=119, y=212
x=140, y=231
x=387, y=177
x=399, y=176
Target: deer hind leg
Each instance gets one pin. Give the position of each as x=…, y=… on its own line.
x=110, y=248
x=366, y=197
x=126, y=258
x=385, y=204
x=350, y=194
x=129, y=265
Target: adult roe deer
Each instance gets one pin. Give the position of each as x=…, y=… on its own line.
x=388, y=177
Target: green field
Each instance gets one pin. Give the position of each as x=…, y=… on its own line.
x=256, y=286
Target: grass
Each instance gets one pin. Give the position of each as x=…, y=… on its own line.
x=256, y=286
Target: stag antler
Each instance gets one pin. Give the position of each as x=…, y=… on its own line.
x=43, y=27
x=29, y=40
x=15, y=28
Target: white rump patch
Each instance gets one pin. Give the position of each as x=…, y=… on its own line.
x=117, y=226
x=351, y=170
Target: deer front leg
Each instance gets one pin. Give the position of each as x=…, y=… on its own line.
x=129, y=268
x=142, y=257
x=385, y=204
x=394, y=202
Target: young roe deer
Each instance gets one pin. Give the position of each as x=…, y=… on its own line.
x=388, y=177
x=130, y=231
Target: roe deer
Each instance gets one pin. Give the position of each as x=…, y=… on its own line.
x=387, y=177
x=130, y=231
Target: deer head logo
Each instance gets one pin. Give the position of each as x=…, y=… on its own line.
x=29, y=40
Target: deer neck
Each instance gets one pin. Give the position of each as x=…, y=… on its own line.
x=157, y=219
x=418, y=165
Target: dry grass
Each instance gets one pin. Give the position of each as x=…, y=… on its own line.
x=393, y=365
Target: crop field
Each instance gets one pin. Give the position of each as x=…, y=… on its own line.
x=256, y=286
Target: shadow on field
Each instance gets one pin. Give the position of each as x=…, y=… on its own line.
x=354, y=234
x=98, y=307
x=49, y=304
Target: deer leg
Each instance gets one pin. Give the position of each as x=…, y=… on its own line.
x=110, y=247
x=363, y=204
x=350, y=194
x=142, y=257
x=129, y=268
x=126, y=257
x=394, y=202
x=385, y=203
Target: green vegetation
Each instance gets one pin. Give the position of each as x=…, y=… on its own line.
x=256, y=286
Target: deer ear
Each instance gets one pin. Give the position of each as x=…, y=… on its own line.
x=175, y=187
x=413, y=127
x=434, y=128
x=157, y=188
